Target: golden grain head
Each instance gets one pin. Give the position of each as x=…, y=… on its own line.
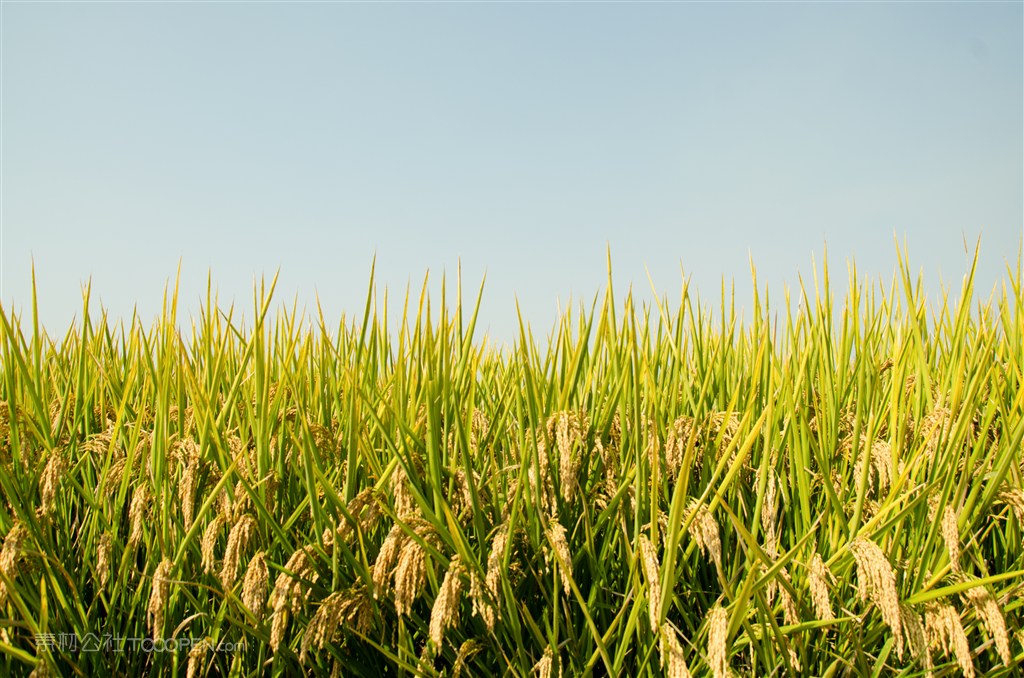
x=233, y=509
x=718, y=637
x=1014, y=498
x=357, y=609
x=484, y=592
x=287, y=597
x=405, y=501
x=936, y=426
x=410, y=576
x=363, y=513
x=876, y=581
x=254, y=585
x=945, y=633
x=789, y=609
x=483, y=606
x=544, y=668
x=704, y=531
x=988, y=611
x=676, y=442
x=881, y=459
x=238, y=541
x=196, y=655
x=466, y=651
x=542, y=485
x=818, y=578
x=769, y=509
x=326, y=625
x=112, y=479
x=561, y=558
x=10, y=553
x=104, y=549
x=673, y=657
x=723, y=426
x=951, y=536
x=652, y=573
x=208, y=544
x=50, y=481
x=570, y=434
x=137, y=513
x=445, y=612
x=495, y=560
x=916, y=638
x=159, y=597
x=387, y=557
x=187, y=486
x=460, y=497
x=41, y=670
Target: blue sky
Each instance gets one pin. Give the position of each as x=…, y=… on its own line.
x=523, y=139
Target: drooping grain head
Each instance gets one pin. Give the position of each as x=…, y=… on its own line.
x=287, y=597
x=364, y=510
x=768, y=516
x=387, y=557
x=10, y=554
x=104, y=549
x=789, y=609
x=951, y=536
x=112, y=479
x=189, y=481
x=479, y=429
x=254, y=585
x=878, y=455
x=881, y=459
x=357, y=609
x=540, y=478
x=445, y=612
x=936, y=427
x=1014, y=498
x=410, y=576
x=482, y=605
x=159, y=597
x=916, y=638
x=876, y=581
x=563, y=561
x=238, y=541
x=818, y=577
x=405, y=501
x=466, y=651
x=233, y=509
x=676, y=441
x=137, y=513
x=718, y=651
x=50, y=481
x=987, y=610
x=460, y=497
x=484, y=593
x=673, y=657
x=723, y=426
x=208, y=545
x=704, y=531
x=652, y=569
x=544, y=668
x=568, y=430
x=495, y=561
x=945, y=633
x=196, y=656
x=324, y=625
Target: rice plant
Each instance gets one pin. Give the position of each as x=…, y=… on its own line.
x=651, y=490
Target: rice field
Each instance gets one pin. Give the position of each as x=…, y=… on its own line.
x=832, y=487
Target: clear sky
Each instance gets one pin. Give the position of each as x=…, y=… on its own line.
x=243, y=138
